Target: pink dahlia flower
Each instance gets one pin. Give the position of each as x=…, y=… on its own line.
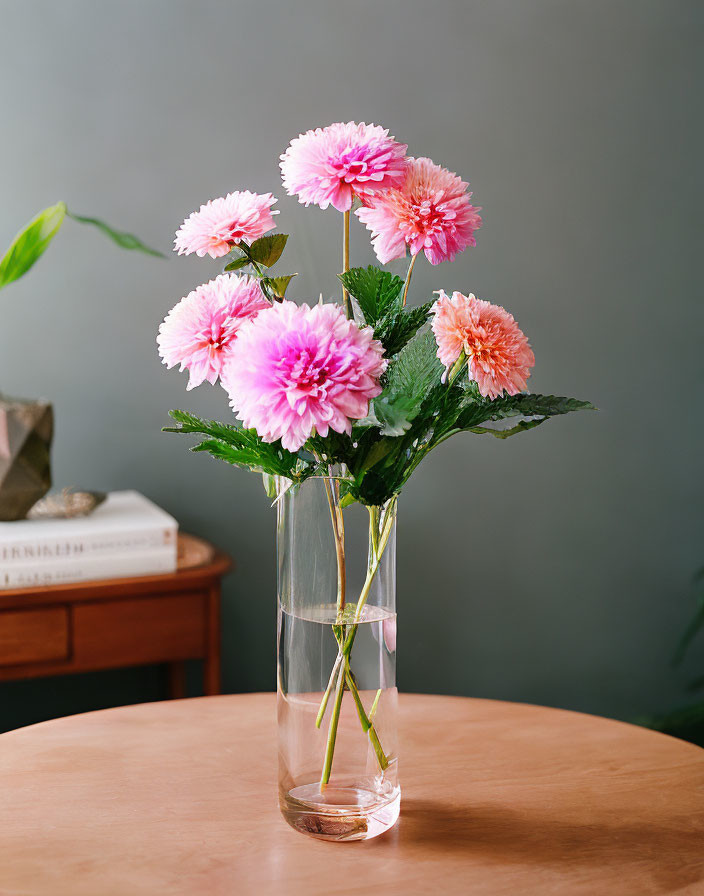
x=332, y=165
x=429, y=212
x=200, y=332
x=221, y=223
x=297, y=370
x=498, y=354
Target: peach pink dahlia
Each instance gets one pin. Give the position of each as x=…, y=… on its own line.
x=296, y=370
x=499, y=357
x=333, y=165
x=222, y=223
x=430, y=212
x=200, y=332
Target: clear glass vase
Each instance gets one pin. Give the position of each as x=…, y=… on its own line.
x=336, y=693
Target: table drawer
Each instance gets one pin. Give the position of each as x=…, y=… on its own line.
x=132, y=632
x=33, y=636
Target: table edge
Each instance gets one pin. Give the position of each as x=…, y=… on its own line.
x=647, y=732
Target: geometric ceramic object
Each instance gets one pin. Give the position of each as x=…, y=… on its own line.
x=26, y=428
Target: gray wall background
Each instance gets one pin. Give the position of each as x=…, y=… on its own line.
x=553, y=567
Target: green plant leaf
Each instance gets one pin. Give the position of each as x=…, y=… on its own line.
x=409, y=378
x=237, y=263
x=242, y=447
x=534, y=408
x=377, y=292
x=415, y=369
x=396, y=328
x=392, y=414
x=30, y=243
x=267, y=249
x=123, y=239
x=279, y=285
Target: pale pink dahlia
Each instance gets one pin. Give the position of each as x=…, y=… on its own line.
x=221, y=223
x=297, y=370
x=499, y=357
x=200, y=332
x=333, y=165
x=429, y=212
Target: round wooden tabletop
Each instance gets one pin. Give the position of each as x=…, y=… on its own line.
x=179, y=798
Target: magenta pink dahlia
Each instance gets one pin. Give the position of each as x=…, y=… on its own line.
x=221, y=223
x=297, y=370
x=333, y=165
x=499, y=357
x=429, y=212
x=200, y=332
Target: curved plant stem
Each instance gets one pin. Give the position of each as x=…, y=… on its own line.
x=341, y=673
x=408, y=278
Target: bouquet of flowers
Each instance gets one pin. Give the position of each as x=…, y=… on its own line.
x=358, y=391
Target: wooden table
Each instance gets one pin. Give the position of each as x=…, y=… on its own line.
x=112, y=623
x=179, y=799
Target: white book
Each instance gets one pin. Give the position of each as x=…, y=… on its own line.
x=90, y=568
x=126, y=521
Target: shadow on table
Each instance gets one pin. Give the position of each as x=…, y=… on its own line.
x=676, y=857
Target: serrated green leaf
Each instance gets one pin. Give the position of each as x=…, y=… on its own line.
x=536, y=408
x=31, y=243
x=393, y=414
x=279, y=285
x=499, y=433
x=409, y=378
x=416, y=368
x=377, y=292
x=237, y=263
x=123, y=239
x=396, y=328
x=243, y=447
x=267, y=249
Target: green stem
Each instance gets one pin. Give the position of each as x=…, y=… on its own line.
x=338, y=531
x=332, y=731
x=345, y=641
x=257, y=267
x=346, y=261
x=364, y=594
x=408, y=278
x=372, y=711
x=328, y=691
x=457, y=368
x=365, y=719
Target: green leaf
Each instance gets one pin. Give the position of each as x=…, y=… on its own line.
x=30, y=243
x=377, y=292
x=242, y=447
x=409, y=378
x=279, y=285
x=396, y=328
x=535, y=408
x=123, y=239
x=267, y=250
x=392, y=414
x=415, y=369
x=237, y=263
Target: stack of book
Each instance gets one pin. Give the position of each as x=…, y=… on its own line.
x=127, y=535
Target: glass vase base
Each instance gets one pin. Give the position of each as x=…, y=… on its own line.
x=340, y=813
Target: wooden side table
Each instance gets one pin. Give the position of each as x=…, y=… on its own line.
x=113, y=623
x=498, y=799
